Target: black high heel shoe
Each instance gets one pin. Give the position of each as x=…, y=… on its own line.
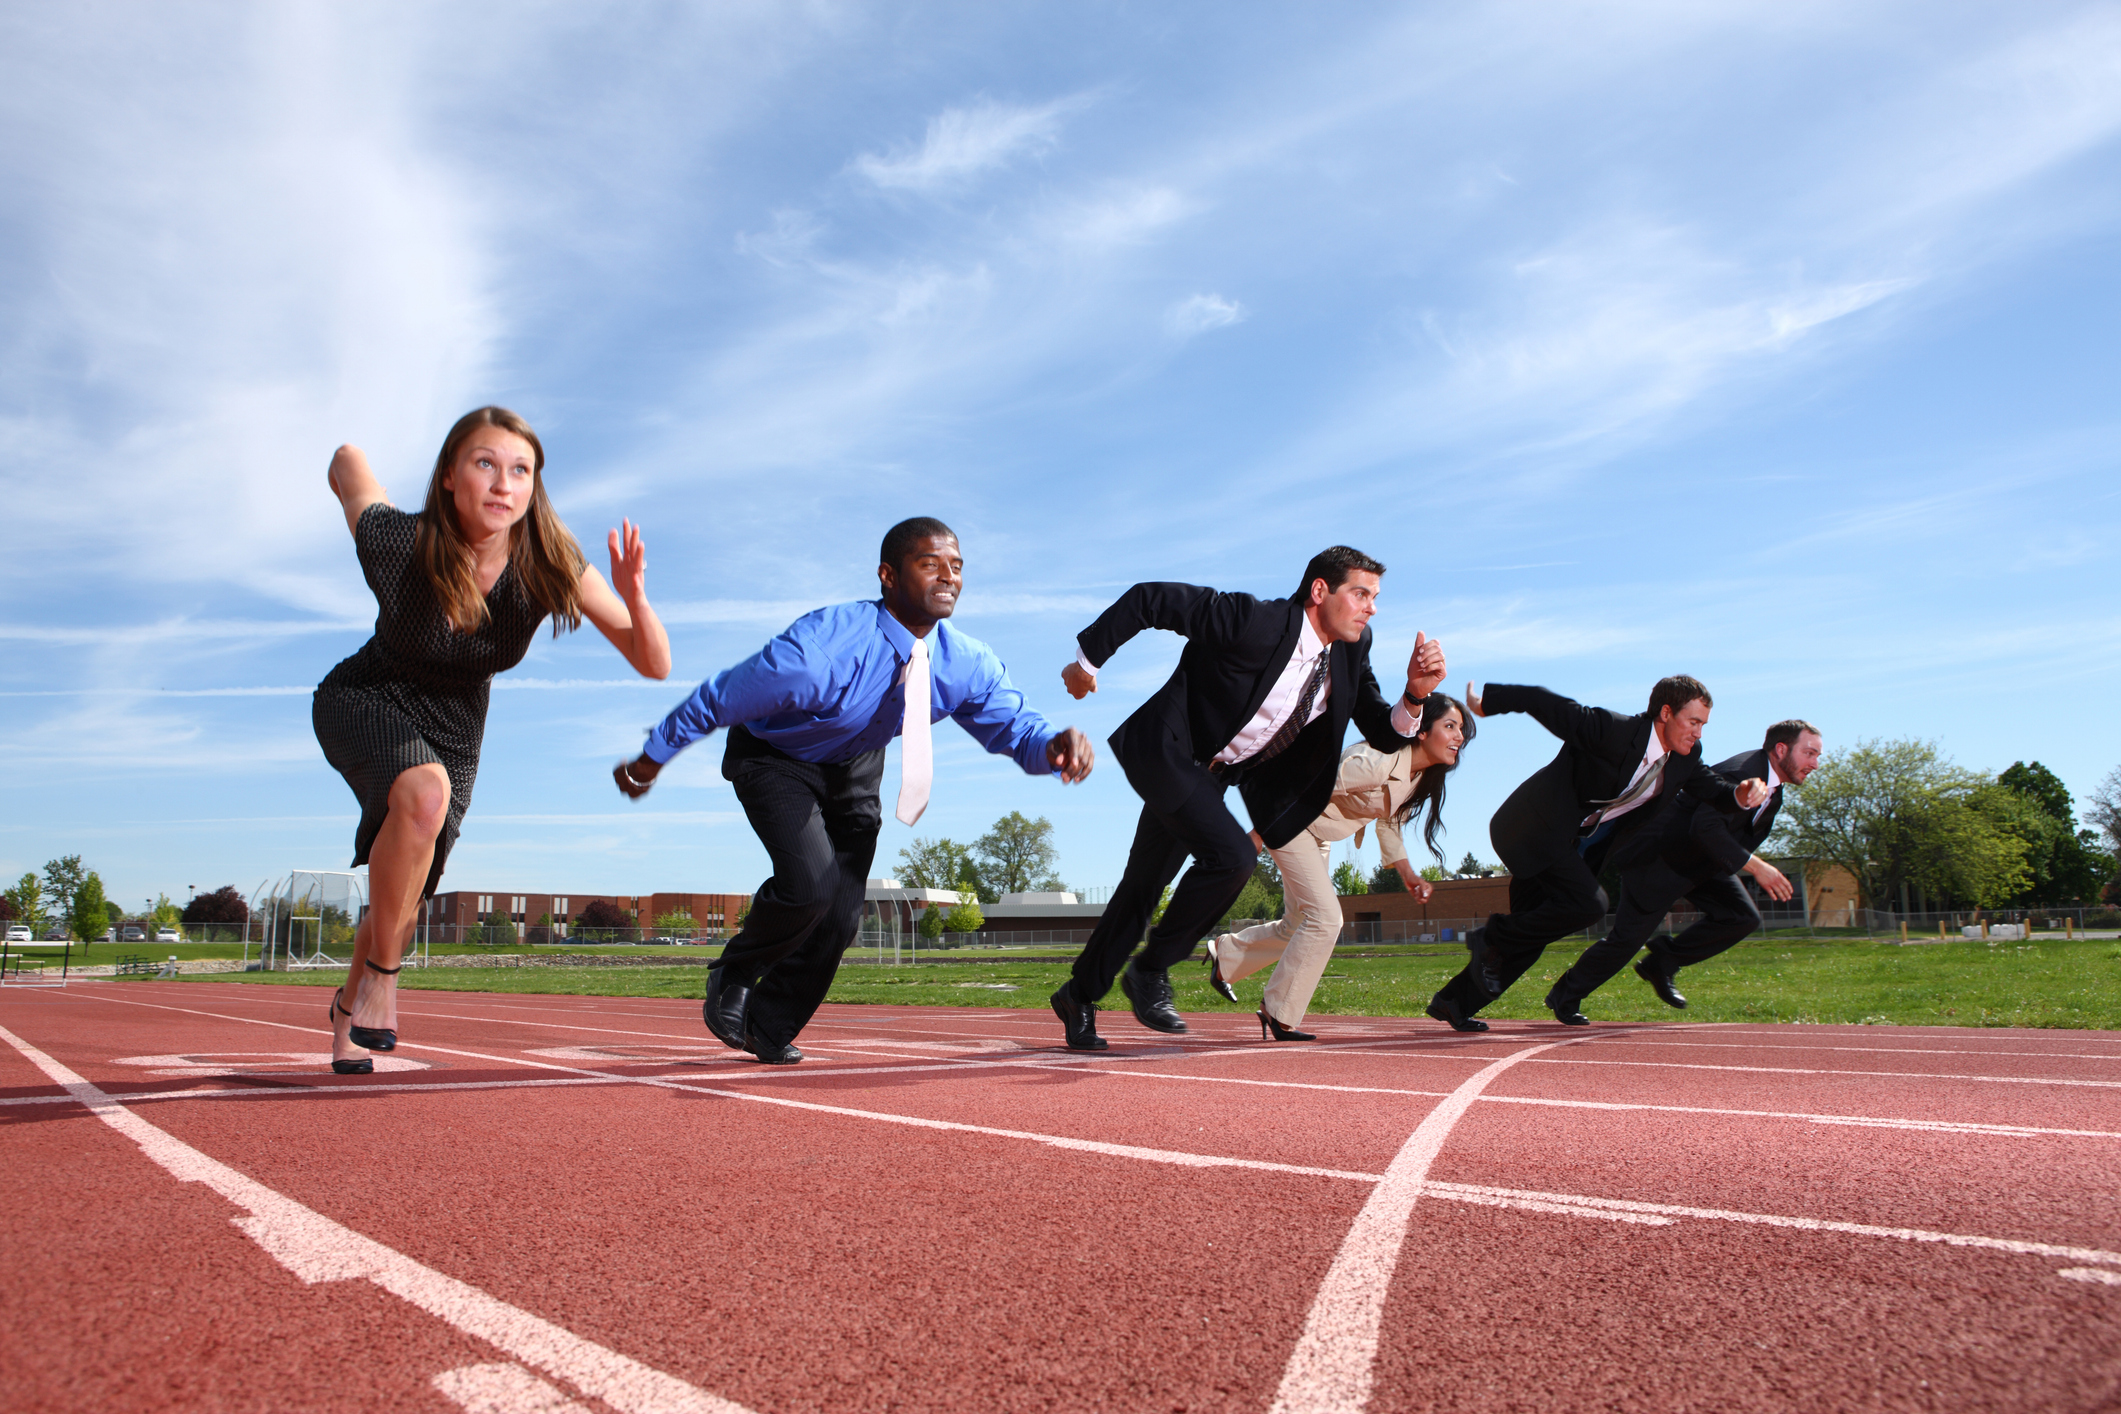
x=378, y=1038
x=361, y=1066
x=1270, y=1029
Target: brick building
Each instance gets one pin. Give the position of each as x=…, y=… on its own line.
x=466, y=908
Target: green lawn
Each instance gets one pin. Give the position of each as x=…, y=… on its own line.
x=2042, y=983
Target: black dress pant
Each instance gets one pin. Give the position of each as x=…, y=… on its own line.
x=1561, y=899
x=1223, y=859
x=1647, y=893
x=819, y=824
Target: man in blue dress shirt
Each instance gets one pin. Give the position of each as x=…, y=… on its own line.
x=808, y=718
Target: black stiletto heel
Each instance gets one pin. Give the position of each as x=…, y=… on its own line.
x=377, y=1038
x=362, y=1066
x=1272, y=1030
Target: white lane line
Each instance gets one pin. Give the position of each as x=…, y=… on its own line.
x=1650, y=1043
x=282, y=1092
x=503, y=1389
x=315, y=1248
x=1868, y=1074
x=2092, y=1274
x=1938, y=1126
x=1331, y=1368
x=1727, y=1215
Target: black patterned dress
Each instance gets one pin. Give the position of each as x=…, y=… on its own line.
x=417, y=691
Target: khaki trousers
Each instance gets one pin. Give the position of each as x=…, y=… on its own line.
x=1301, y=939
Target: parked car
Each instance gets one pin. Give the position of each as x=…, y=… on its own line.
x=167, y=935
x=18, y=932
x=132, y=934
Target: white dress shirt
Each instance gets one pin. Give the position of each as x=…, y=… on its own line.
x=1651, y=755
x=1281, y=698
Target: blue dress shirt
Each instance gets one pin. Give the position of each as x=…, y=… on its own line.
x=831, y=687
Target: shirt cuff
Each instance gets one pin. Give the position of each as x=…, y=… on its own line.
x=658, y=750
x=1405, y=720
x=1085, y=664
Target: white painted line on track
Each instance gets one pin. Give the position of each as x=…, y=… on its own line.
x=1649, y=1042
x=1869, y=1074
x=2092, y=1274
x=503, y=1389
x=286, y=1092
x=316, y=1249
x=1899, y=1234
x=1330, y=1370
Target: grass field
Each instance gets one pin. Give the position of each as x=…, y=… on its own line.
x=2041, y=983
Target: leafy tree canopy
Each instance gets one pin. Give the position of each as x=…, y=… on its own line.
x=1016, y=856
x=223, y=905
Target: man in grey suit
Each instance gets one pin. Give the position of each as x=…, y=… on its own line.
x=1695, y=849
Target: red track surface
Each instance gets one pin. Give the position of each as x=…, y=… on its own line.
x=564, y=1204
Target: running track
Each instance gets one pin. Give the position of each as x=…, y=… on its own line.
x=565, y=1204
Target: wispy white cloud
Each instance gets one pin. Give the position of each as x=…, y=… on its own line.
x=1197, y=314
x=964, y=141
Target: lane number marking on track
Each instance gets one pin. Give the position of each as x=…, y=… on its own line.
x=315, y=1248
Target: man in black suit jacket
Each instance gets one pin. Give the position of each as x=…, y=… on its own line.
x=1556, y=830
x=1262, y=697
x=1695, y=850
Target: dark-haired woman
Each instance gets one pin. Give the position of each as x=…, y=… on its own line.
x=1384, y=788
x=460, y=591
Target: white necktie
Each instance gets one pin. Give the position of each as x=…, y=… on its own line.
x=916, y=752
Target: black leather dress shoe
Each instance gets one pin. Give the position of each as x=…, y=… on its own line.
x=1660, y=982
x=1444, y=1009
x=1481, y=965
x=1567, y=1010
x=1149, y=991
x=1215, y=975
x=724, y=1009
x=770, y=1053
x=1078, y=1020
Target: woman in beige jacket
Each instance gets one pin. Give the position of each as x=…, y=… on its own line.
x=1385, y=788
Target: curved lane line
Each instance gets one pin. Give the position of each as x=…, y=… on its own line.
x=316, y=1249
x=1330, y=1370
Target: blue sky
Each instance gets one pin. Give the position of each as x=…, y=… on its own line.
x=1773, y=343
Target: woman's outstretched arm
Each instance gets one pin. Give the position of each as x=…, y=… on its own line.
x=624, y=616
x=353, y=483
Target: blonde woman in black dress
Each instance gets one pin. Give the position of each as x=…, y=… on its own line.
x=460, y=591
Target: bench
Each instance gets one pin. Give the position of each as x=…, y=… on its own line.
x=132, y=964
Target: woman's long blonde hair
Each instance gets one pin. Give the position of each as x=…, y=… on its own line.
x=547, y=560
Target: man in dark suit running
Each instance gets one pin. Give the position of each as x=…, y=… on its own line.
x=1556, y=829
x=1695, y=849
x=1263, y=695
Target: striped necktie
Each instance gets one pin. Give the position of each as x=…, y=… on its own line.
x=1298, y=719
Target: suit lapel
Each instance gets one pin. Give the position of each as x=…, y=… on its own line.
x=1292, y=630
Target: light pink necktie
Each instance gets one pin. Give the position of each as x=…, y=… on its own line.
x=916, y=752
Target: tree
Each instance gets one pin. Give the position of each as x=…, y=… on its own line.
x=2103, y=813
x=223, y=905
x=1898, y=816
x=62, y=878
x=1016, y=856
x=27, y=896
x=89, y=913
x=965, y=917
x=1261, y=897
x=113, y=912
x=935, y=864
x=605, y=917
x=1471, y=868
x=164, y=914
x=930, y=923
x=499, y=930
x=1385, y=880
x=8, y=913
x=1348, y=880
x=2065, y=864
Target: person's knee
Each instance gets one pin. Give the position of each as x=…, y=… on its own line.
x=808, y=886
x=421, y=797
x=1591, y=913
